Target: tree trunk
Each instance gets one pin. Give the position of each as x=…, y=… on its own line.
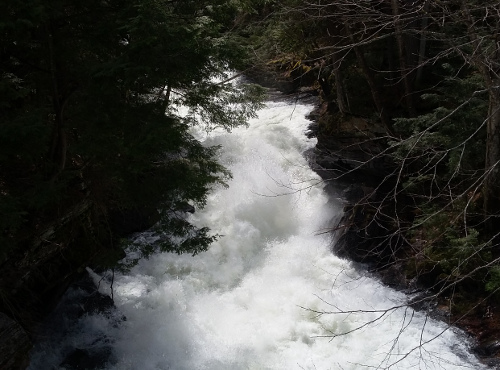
x=491, y=188
x=339, y=86
x=376, y=95
x=484, y=62
x=59, y=141
x=405, y=72
x=422, y=45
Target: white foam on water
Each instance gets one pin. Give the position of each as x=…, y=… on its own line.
x=264, y=294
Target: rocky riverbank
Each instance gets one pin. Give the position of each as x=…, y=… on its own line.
x=351, y=157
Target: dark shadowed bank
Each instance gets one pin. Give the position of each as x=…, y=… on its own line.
x=39, y=281
x=352, y=157
x=92, y=147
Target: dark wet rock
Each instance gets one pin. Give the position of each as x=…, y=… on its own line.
x=350, y=157
x=314, y=116
x=424, y=301
x=394, y=276
x=78, y=305
x=90, y=300
x=488, y=349
x=87, y=359
x=312, y=130
x=350, y=149
x=186, y=207
x=489, y=352
x=98, y=303
x=272, y=79
x=364, y=235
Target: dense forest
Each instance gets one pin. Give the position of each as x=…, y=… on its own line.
x=410, y=96
x=94, y=145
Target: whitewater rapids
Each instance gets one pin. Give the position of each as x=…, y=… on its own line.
x=267, y=294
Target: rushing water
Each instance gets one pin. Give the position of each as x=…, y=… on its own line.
x=267, y=295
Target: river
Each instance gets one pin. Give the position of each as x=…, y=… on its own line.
x=269, y=294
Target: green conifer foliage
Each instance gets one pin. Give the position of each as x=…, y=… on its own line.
x=89, y=92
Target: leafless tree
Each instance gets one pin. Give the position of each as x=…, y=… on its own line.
x=429, y=186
